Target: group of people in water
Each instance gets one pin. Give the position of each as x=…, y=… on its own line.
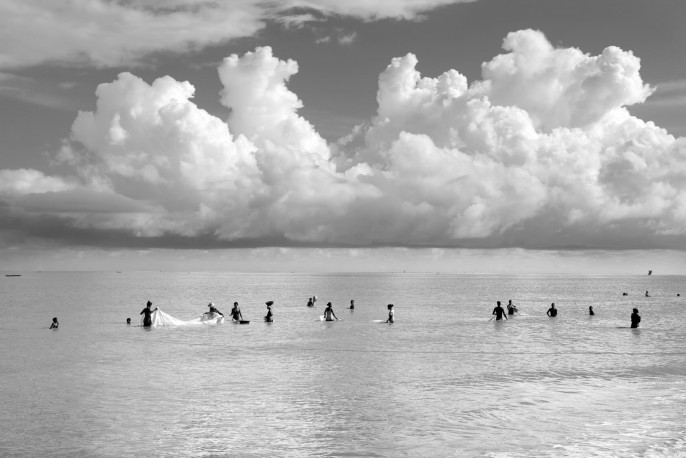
x=237, y=315
x=499, y=312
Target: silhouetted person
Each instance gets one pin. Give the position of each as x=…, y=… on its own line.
x=635, y=319
x=552, y=311
x=352, y=304
x=54, y=324
x=499, y=312
x=236, y=314
x=391, y=314
x=270, y=316
x=128, y=321
x=147, y=319
x=590, y=310
x=647, y=295
x=213, y=310
x=328, y=313
x=511, y=308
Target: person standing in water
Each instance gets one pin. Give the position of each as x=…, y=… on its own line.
x=269, y=318
x=552, y=311
x=499, y=312
x=391, y=314
x=635, y=319
x=511, y=308
x=309, y=302
x=328, y=313
x=590, y=310
x=647, y=295
x=236, y=314
x=147, y=319
x=54, y=324
x=352, y=304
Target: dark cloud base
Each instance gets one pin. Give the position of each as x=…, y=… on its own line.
x=16, y=229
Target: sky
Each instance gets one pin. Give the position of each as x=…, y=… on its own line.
x=432, y=135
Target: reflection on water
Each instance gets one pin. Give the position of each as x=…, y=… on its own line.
x=442, y=381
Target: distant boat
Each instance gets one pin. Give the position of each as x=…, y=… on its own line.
x=12, y=275
x=650, y=272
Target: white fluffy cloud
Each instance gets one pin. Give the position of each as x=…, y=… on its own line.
x=105, y=33
x=540, y=152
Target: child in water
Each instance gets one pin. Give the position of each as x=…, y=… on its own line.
x=54, y=324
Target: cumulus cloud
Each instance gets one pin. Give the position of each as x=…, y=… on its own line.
x=541, y=152
x=105, y=33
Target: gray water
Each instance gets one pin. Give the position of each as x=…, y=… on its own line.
x=442, y=381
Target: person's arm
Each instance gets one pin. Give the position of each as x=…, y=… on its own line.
x=142, y=312
x=334, y=315
x=240, y=314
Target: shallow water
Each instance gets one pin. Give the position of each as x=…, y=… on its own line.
x=442, y=381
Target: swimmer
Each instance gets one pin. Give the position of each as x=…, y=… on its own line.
x=269, y=318
x=128, y=321
x=552, y=311
x=635, y=319
x=54, y=324
x=647, y=295
x=310, y=303
x=236, y=314
x=147, y=319
x=590, y=310
x=391, y=315
x=499, y=312
x=328, y=313
x=352, y=304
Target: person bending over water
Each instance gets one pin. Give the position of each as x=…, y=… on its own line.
x=647, y=295
x=147, y=319
x=213, y=310
x=54, y=324
x=352, y=304
x=552, y=311
x=391, y=314
x=328, y=313
x=236, y=314
x=499, y=312
x=635, y=319
x=270, y=316
x=590, y=310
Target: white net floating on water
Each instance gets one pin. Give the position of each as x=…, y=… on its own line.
x=160, y=318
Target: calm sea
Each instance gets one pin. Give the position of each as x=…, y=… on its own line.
x=442, y=381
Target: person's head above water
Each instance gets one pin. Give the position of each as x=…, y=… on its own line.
x=54, y=320
x=636, y=311
x=236, y=304
x=328, y=304
x=128, y=321
x=497, y=303
x=211, y=304
x=149, y=304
